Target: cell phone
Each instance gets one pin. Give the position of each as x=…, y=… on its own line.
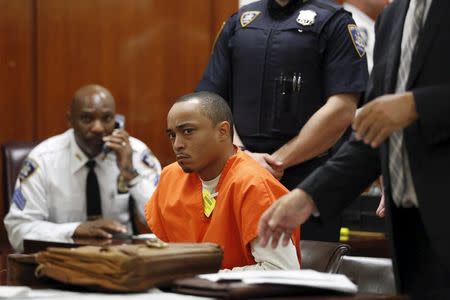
x=122, y=236
x=119, y=123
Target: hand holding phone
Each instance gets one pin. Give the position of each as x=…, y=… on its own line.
x=119, y=124
x=119, y=142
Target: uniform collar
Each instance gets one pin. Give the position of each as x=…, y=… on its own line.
x=277, y=11
x=77, y=157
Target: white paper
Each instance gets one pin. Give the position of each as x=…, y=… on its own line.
x=145, y=236
x=50, y=294
x=305, y=278
x=13, y=291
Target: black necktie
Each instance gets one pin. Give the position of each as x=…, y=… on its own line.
x=93, y=200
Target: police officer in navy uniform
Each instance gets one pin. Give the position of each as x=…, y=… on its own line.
x=293, y=72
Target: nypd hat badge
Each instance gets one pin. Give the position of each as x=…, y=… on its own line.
x=147, y=160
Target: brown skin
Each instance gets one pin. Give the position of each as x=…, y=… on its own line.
x=268, y=162
x=91, y=116
x=103, y=228
x=319, y=134
x=282, y=2
x=198, y=144
x=284, y=216
x=378, y=119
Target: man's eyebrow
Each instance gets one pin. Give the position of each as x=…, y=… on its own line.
x=180, y=126
x=185, y=124
x=87, y=110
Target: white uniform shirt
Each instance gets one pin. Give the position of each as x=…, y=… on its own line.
x=49, y=201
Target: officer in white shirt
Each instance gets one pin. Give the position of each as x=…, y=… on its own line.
x=49, y=201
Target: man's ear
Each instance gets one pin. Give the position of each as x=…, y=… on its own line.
x=224, y=130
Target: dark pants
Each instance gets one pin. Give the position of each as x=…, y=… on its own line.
x=420, y=273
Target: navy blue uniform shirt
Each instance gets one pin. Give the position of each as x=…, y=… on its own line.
x=276, y=66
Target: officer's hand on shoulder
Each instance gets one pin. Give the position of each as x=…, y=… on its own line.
x=278, y=174
x=276, y=165
x=268, y=162
x=99, y=229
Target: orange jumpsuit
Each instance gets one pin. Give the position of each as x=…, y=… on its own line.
x=245, y=190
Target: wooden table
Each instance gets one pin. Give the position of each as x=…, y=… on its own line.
x=32, y=246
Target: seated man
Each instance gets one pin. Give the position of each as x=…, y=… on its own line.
x=215, y=193
x=88, y=173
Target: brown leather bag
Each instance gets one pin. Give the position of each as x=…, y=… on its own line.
x=128, y=268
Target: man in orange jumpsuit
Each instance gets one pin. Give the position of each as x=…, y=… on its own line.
x=215, y=192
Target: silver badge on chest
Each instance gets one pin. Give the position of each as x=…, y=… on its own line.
x=306, y=17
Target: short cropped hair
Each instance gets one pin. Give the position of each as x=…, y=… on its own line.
x=213, y=106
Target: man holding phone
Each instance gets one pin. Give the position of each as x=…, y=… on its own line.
x=84, y=182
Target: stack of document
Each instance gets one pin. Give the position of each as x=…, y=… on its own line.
x=303, y=278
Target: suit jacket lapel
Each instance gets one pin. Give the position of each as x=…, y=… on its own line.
x=395, y=47
x=426, y=37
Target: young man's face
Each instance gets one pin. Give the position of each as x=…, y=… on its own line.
x=195, y=140
x=92, y=118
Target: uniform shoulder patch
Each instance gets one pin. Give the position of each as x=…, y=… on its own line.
x=29, y=166
x=147, y=159
x=359, y=39
x=18, y=199
x=155, y=183
x=248, y=17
